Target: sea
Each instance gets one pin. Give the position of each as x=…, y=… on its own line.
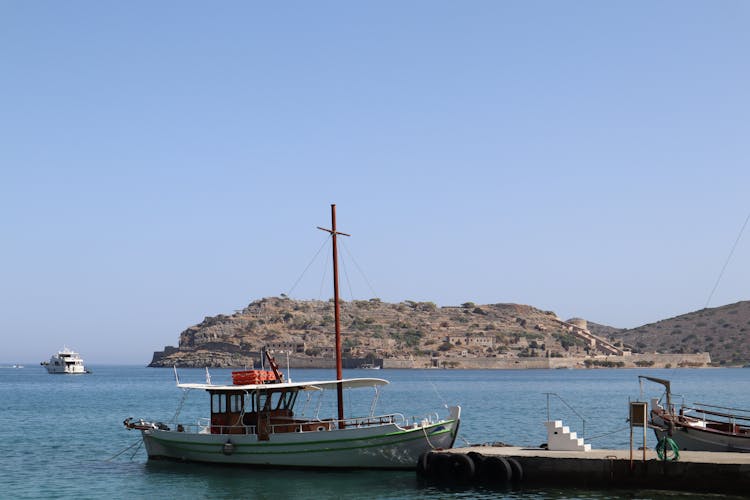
x=61, y=436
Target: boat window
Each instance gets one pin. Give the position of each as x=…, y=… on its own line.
x=287, y=400
x=218, y=403
x=235, y=403
x=250, y=402
x=270, y=399
x=280, y=400
x=275, y=400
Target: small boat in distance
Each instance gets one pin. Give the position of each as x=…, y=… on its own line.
x=370, y=366
x=66, y=361
x=699, y=427
x=261, y=419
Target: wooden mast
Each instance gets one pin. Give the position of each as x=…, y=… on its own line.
x=337, y=313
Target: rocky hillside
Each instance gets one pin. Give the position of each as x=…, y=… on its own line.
x=722, y=331
x=607, y=332
x=372, y=328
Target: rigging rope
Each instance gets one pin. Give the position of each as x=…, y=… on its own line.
x=308, y=266
x=364, y=276
x=731, y=252
x=346, y=277
x=323, y=279
x=326, y=241
x=180, y=405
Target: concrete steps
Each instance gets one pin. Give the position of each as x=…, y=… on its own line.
x=559, y=438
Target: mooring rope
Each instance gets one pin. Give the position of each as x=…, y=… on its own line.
x=440, y=396
x=427, y=438
x=137, y=443
x=665, y=446
x=607, y=434
x=140, y=443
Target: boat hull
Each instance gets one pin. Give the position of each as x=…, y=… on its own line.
x=698, y=439
x=379, y=447
x=63, y=370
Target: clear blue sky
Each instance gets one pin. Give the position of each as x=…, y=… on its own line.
x=165, y=161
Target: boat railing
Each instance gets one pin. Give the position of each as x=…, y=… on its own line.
x=204, y=425
x=207, y=428
x=394, y=418
x=736, y=415
x=430, y=418
x=583, y=419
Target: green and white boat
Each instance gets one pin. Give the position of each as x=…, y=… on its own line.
x=256, y=425
x=256, y=421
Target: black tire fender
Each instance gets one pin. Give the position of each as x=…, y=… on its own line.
x=496, y=470
x=478, y=460
x=440, y=466
x=515, y=466
x=423, y=464
x=461, y=467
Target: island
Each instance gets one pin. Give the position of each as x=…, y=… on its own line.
x=413, y=334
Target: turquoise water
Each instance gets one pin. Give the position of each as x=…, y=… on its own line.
x=62, y=436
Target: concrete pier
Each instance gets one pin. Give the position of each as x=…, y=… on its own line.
x=695, y=471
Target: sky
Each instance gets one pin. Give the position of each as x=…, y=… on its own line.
x=161, y=162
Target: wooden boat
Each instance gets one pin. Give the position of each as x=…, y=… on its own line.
x=256, y=421
x=700, y=426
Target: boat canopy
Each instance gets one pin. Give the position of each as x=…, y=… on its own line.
x=350, y=383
